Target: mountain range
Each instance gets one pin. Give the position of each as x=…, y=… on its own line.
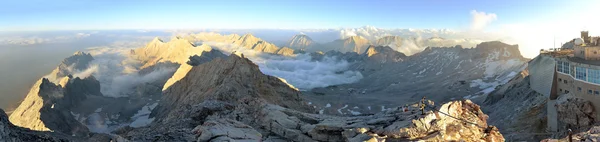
x=213, y=87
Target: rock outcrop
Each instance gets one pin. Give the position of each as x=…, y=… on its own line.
x=255, y=119
x=12, y=133
x=47, y=106
x=591, y=135
x=576, y=113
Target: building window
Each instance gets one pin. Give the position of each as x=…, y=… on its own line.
x=566, y=91
x=579, y=89
x=597, y=92
x=589, y=91
x=581, y=73
x=565, y=81
x=559, y=80
x=593, y=76
x=566, y=68
x=559, y=90
x=559, y=66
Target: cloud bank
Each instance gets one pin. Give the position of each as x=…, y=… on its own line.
x=480, y=19
x=299, y=71
x=118, y=73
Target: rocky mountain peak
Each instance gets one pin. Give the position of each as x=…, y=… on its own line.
x=195, y=60
x=229, y=80
x=177, y=50
x=504, y=50
x=301, y=41
x=47, y=105
x=78, y=61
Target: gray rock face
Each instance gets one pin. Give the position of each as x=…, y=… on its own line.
x=47, y=106
x=12, y=133
x=79, y=61
x=516, y=108
x=206, y=56
x=226, y=130
x=575, y=113
x=591, y=135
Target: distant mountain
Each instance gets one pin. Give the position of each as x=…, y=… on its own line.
x=355, y=44
x=301, y=42
x=177, y=50
x=395, y=41
x=247, y=41
x=373, y=33
x=440, y=73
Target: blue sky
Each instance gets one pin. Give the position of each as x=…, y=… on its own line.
x=244, y=14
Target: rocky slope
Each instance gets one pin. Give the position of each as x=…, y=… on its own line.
x=413, y=45
x=195, y=60
x=229, y=99
x=440, y=73
x=517, y=110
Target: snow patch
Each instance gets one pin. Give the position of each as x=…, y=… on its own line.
x=141, y=118
x=354, y=112
x=98, y=110
x=340, y=110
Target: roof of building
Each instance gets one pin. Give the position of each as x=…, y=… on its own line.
x=583, y=61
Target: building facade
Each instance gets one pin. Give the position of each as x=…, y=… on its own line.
x=576, y=71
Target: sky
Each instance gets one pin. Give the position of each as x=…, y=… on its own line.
x=532, y=23
x=247, y=14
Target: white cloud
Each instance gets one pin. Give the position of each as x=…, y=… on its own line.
x=118, y=73
x=300, y=70
x=480, y=19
